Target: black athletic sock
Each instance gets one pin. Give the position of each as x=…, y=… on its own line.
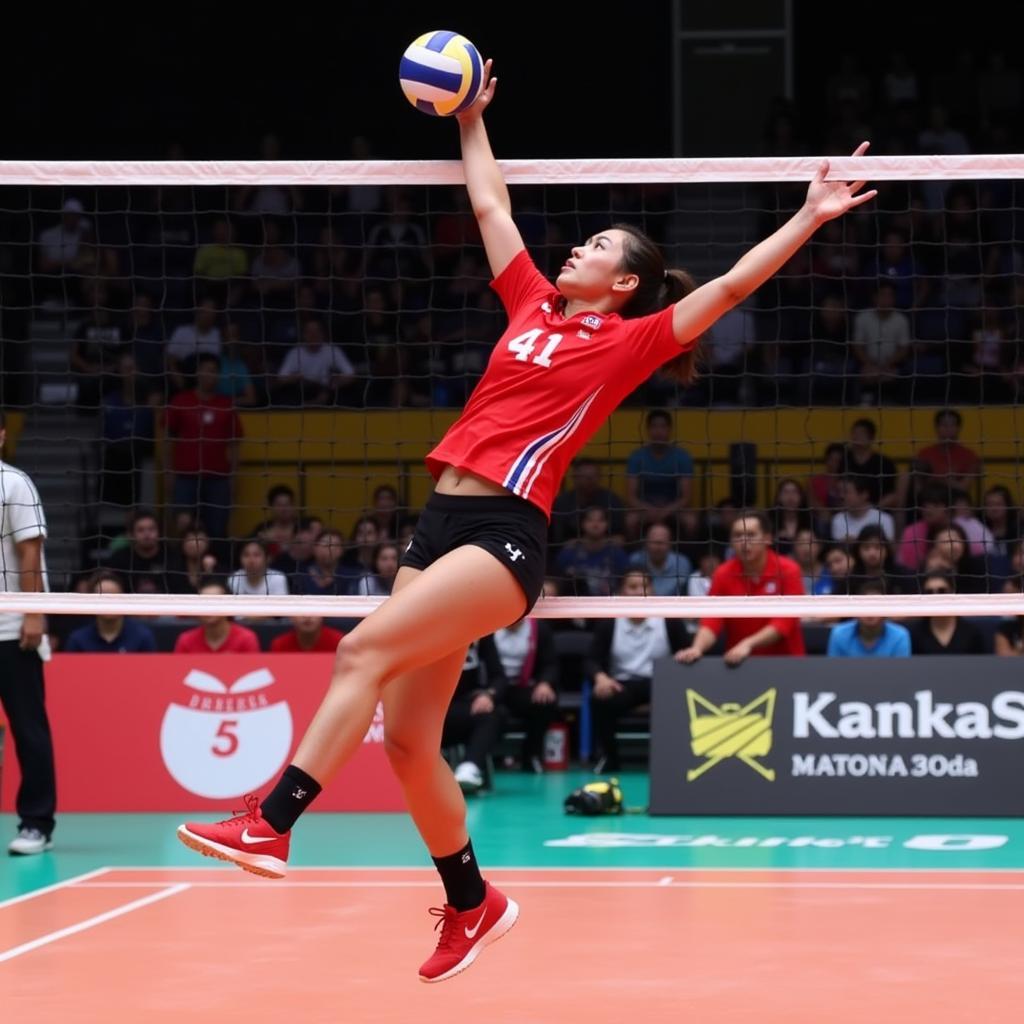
x=294, y=792
x=460, y=873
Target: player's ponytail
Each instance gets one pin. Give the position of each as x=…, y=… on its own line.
x=659, y=287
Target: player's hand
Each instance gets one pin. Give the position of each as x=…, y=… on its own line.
x=830, y=199
x=31, y=631
x=738, y=654
x=480, y=104
x=688, y=655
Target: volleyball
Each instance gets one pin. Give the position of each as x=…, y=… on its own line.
x=441, y=73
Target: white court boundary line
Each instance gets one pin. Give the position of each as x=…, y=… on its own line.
x=92, y=922
x=675, y=869
x=74, y=880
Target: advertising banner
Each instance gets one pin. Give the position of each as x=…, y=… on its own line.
x=846, y=736
x=177, y=732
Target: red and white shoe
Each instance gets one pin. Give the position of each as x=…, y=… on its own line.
x=465, y=934
x=246, y=840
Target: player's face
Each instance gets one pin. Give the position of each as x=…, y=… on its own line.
x=594, y=269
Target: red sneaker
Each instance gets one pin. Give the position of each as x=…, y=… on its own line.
x=465, y=934
x=246, y=840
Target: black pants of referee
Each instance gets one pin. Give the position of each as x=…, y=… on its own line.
x=21, y=694
x=607, y=711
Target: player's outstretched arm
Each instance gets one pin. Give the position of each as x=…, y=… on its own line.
x=488, y=193
x=825, y=200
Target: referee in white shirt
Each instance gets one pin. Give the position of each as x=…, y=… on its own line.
x=22, y=648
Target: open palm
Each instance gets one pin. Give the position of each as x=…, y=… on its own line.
x=831, y=199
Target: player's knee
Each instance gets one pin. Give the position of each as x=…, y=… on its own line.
x=352, y=658
x=407, y=752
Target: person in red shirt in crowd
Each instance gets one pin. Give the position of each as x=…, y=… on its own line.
x=948, y=462
x=216, y=634
x=203, y=432
x=755, y=570
x=308, y=633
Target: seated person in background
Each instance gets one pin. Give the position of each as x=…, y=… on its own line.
x=863, y=459
x=754, y=570
x=869, y=636
x=586, y=492
x=325, y=575
x=254, y=578
x=282, y=523
x=314, y=371
x=873, y=561
x=475, y=716
x=659, y=478
x=980, y=541
x=969, y=571
x=594, y=560
x=622, y=665
x=667, y=569
x=914, y=546
x=944, y=634
x=143, y=564
x=298, y=554
x=110, y=634
x=858, y=512
x=839, y=564
x=529, y=663
x=825, y=488
x=193, y=562
x=385, y=569
x=216, y=634
x=948, y=463
x=308, y=633
x=807, y=554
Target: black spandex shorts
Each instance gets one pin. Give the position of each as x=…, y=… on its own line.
x=511, y=529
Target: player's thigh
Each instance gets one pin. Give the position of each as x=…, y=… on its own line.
x=416, y=703
x=461, y=597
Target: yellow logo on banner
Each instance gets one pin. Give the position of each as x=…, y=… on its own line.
x=728, y=730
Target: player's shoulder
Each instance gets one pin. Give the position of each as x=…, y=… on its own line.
x=13, y=478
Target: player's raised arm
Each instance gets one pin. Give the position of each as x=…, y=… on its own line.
x=488, y=193
x=825, y=200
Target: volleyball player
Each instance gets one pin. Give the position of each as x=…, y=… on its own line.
x=476, y=562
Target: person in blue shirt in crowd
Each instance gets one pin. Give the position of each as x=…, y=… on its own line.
x=869, y=636
x=659, y=478
x=110, y=634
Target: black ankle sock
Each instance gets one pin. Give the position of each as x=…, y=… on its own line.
x=460, y=873
x=294, y=792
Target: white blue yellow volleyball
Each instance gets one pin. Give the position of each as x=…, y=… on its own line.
x=441, y=73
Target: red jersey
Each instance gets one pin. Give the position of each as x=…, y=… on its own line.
x=780, y=576
x=202, y=429
x=550, y=383
x=240, y=641
x=327, y=640
x=953, y=459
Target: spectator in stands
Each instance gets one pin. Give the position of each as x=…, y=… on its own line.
x=313, y=373
x=826, y=487
x=295, y=559
x=189, y=341
x=325, y=575
x=807, y=554
x=278, y=529
x=221, y=264
x=143, y=564
x=255, y=577
x=235, y=381
x=594, y=561
x=837, y=572
x=99, y=342
x=790, y=514
x=869, y=636
x=475, y=718
x=216, y=634
x=727, y=344
x=385, y=512
x=969, y=570
x=874, y=561
x=145, y=333
x=939, y=137
x=882, y=344
x=659, y=477
x=989, y=367
x=830, y=358
x=267, y=201
x=979, y=537
x=59, y=252
x=308, y=633
x=621, y=665
x=1002, y=517
x=858, y=512
x=667, y=569
x=276, y=270
x=948, y=463
x=1009, y=640
x=110, y=634
x=127, y=437
x=203, y=432
x=863, y=459
x=944, y=634
x=362, y=547
x=194, y=562
x=586, y=492
x=753, y=570
x=530, y=664
x=914, y=543
x=385, y=568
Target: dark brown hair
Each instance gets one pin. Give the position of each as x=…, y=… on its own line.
x=658, y=287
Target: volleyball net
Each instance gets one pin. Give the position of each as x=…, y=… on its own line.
x=199, y=355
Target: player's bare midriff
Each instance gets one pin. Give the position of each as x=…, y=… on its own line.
x=468, y=485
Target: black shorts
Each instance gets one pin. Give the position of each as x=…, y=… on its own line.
x=511, y=529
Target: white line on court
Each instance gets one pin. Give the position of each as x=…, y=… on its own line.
x=53, y=888
x=91, y=922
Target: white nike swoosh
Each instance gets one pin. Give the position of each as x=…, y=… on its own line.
x=251, y=840
x=471, y=932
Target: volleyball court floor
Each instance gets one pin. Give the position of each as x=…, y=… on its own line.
x=623, y=919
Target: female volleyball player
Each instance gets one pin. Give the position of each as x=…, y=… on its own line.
x=476, y=562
